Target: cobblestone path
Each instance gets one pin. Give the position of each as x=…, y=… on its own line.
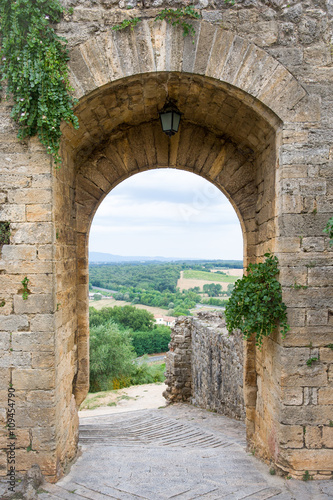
x=178, y=452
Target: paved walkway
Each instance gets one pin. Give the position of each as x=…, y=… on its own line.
x=178, y=452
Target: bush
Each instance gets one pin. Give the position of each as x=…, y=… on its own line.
x=148, y=374
x=111, y=356
x=213, y=301
x=152, y=342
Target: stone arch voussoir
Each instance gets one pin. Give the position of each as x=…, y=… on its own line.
x=158, y=47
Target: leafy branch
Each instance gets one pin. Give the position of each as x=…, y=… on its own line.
x=34, y=65
x=256, y=305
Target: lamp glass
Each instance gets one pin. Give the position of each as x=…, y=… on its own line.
x=176, y=121
x=166, y=120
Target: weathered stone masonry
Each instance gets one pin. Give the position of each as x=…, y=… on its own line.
x=205, y=365
x=255, y=89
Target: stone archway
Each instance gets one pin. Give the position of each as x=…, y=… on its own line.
x=242, y=109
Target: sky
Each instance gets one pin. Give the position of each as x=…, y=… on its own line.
x=168, y=213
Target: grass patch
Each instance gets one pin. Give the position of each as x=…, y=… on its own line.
x=202, y=275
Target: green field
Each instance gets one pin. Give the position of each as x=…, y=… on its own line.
x=202, y=275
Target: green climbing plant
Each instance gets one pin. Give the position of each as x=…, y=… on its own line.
x=255, y=305
x=33, y=63
x=329, y=230
x=25, y=293
x=127, y=23
x=4, y=233
x=179, y=17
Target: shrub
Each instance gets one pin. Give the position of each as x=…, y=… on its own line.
x=148, y=374
x=151, y=342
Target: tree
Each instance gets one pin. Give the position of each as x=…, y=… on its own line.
x=111, y=355
x=213, y=290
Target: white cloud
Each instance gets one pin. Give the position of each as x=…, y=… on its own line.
x=167, y=212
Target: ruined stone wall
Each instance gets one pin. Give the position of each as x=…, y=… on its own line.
x=217, y=366
x=205, y=365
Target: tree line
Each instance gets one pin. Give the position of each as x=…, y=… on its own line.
x=118, y=336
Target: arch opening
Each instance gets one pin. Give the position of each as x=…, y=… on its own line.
x=225, y=136
x=168, y=222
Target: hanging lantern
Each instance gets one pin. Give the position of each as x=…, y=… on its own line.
x=170, y=119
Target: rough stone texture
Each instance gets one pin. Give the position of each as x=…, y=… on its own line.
x=256, y=96
x=205, y=365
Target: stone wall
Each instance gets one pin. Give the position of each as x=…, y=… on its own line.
x=205, y=365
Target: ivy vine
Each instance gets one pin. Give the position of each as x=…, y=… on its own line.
x=177, y=17
x=171, y=16
x=33, y=62
x=255, y=305
x=127, y=23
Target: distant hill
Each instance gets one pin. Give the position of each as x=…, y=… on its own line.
x=108, y=257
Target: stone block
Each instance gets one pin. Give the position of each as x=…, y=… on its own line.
x=325, y=396
x=14, y=323
x=30, y=196
x=292, y=396
x=290, y=436
x=40, y=398
x=309, y=459
x=317, y=317
x=11, y=212
x=26, y=268
x=42, y=323
x=42, y=360
x=39, y=304
x=19, y=252
x=45, y=252
x=33, y=379
x=33, y=341
x=313, y=437
x=306, y=415
x=310, y=297
x=46, y=460
x=16, y=359
x=313, y=244
x=296, y=316
x=320, y=276
x=4, y=341
x=44, y=439
x=32, y=233
x=326, y=355
x=39, y=213
x=328, y=436
x=289, y=276
x=4, y=378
